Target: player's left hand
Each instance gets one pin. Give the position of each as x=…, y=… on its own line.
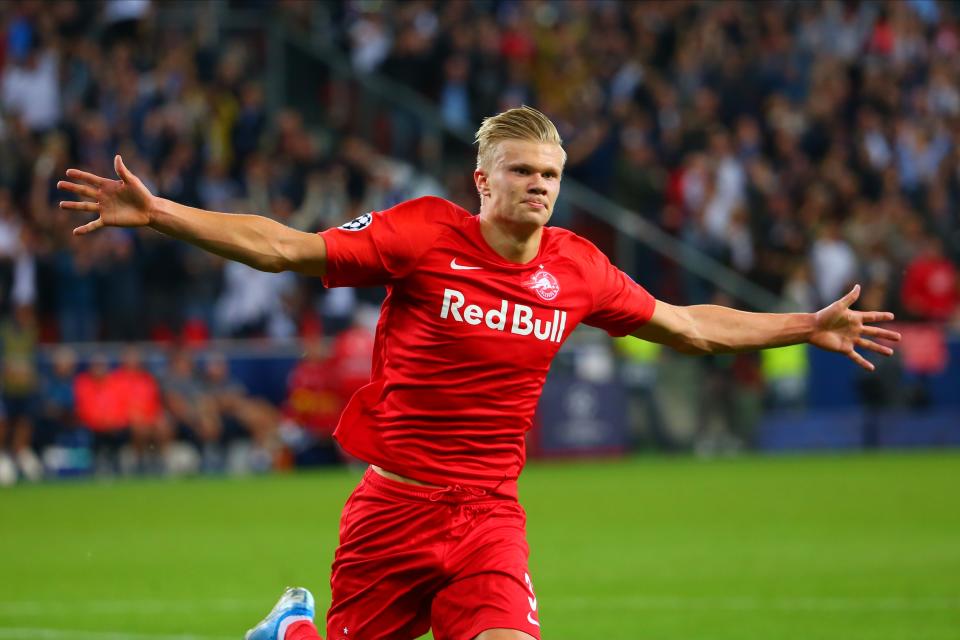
x=840, y=329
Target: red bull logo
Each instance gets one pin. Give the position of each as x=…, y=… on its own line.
x=544, y=284
x=516, y=318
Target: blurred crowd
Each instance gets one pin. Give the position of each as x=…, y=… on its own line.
x=807, y=145
x=187, y=112
x=175, y=412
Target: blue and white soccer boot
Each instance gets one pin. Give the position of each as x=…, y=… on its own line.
x=296, y=604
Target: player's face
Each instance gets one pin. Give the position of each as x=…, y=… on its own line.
x=521, y=186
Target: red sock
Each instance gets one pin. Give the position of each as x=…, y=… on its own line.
x=302, y=630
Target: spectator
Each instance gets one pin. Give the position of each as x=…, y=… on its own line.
x=57, y=407
x=931, y=288
x=352, y=352
x=11, y=231
x=76, y=304
x=8, y=469
x=192, y=411
x=123, y=19
x=312, y=407
x=150, y=431
x=640, y=181
x=834, y=263
x=254, y=303
x=245, y=419
x=30, y=87
x=118, y=279
x=18, y=342
x=101, y=409
x=251, y=122
x=370, y=41
x=455, y=95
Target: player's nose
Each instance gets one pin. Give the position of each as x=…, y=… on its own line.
x=537, y=188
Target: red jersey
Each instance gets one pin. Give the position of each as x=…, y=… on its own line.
x=312, y=397
x=930, y=288
x=465, y=338
x=100, y=405
x=351, y=359
x=139, y=395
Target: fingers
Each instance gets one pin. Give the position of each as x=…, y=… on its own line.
x=90, y=227
x=860, y=360
x=876, y=316
x=125, y=174
x=122, y=172
x=883, y=334
x=873, y=346
x=863, y=343
x=79, y=189
x=851, y=297
x=89, y=178
x=85, y=192
x=93, y=207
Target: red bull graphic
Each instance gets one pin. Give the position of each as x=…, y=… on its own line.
x=520, y=317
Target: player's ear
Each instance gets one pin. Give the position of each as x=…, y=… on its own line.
x=481, y=181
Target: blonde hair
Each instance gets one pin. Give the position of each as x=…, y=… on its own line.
x=521, y=123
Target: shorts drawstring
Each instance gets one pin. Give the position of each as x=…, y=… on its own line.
x=462, y=512
x=452, y=490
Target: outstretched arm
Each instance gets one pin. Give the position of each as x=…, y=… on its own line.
x=702, y=329
x=260, y=242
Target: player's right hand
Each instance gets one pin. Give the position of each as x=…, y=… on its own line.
x=118, y=203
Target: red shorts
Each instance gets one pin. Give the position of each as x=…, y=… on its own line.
x=413, y=558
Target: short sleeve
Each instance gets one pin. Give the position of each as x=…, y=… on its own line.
x=382, y=246
x=620, y=305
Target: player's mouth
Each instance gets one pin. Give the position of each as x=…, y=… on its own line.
x=536, y=204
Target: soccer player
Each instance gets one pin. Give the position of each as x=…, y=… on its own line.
x=476, y=308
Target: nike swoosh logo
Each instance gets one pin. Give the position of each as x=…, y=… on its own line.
x=461, y=267
x=531, y=620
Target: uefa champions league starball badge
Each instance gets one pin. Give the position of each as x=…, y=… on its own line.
x=358, y=223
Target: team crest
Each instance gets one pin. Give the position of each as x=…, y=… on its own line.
x=544, y=284
x=361, y=222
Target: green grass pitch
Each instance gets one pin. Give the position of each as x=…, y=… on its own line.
x=862, y=547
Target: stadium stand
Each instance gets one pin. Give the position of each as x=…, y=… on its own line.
x=806, y=146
